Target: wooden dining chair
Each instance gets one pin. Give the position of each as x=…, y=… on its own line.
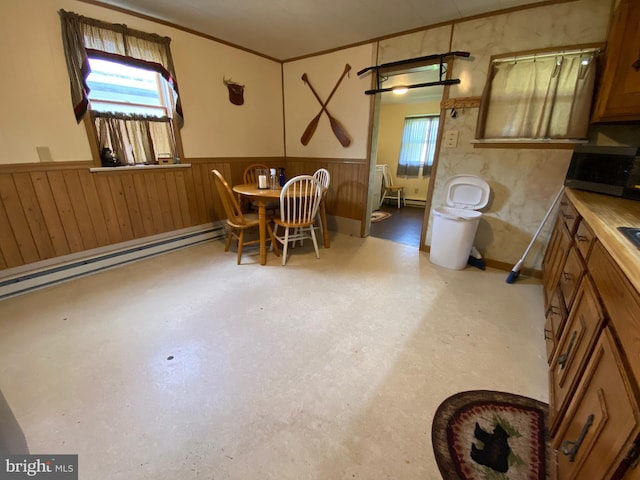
x=299, y=202
x=391, y=191
x=323, y=177
x=238, y=222
x=250, y=175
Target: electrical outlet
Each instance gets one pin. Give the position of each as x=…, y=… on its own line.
x=44, y=154
x=415, y=190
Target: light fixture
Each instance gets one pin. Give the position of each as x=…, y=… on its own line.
x=400, y=90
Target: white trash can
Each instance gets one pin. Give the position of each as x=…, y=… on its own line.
x=455, y=226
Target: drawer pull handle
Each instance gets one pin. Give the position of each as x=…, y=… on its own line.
x=582, y=238
x=548, y=334
x=562, y=359
x=552, y=310
x=566, y=276
x=570, y=448
x=567, y=216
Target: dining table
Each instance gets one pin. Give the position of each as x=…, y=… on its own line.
x=261, y=197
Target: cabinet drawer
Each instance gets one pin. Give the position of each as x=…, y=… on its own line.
x=621, y=300
x=578, y=337
x=569, y=214
x=571, y=275
x=602, y=421
x=556, y=317
x=584, y=239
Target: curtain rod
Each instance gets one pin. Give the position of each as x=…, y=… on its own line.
x=535, y=56
x=439, y=56
x=453, y=81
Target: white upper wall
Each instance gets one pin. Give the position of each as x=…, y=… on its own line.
x=37, y=107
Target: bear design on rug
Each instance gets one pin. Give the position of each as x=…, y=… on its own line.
x=495, y=453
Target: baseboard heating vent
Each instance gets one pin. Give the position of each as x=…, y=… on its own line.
x=416, y=203
x=31, y=277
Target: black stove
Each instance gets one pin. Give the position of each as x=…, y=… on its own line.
x=633, y=234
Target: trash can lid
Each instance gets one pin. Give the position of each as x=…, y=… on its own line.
x=467, y=191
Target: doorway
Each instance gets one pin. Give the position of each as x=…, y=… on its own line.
x=405, y=224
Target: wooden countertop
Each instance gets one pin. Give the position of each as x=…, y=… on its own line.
x=604, y=214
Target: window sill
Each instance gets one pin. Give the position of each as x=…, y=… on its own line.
x=127, y=168
x=526, y=143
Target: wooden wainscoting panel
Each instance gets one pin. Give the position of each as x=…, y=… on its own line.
x=133, y=206
x=152, y=197
x=206, y=181
x=18, y=221
x=116, y=191
x=347, y=195
x=172, y=199
x=200, y=202
x=108, y=207
x=146, y=210
x=183, y=199
x=47, y=204
x=94, y=207
x=9, y=252
x=33, y=214
x=80, y=209
x=49, y=210
x=65, y=210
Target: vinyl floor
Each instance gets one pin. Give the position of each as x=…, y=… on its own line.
x=188, y=366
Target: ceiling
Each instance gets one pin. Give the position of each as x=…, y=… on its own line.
x=288, y=29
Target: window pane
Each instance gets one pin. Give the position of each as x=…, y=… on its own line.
x=418, y=146
x=126, y=89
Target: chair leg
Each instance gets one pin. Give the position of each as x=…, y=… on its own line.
x=228, y=244
x=399, y=192
x=274, y=242
x=315, y=242
x=285, y=245
x=240, y=243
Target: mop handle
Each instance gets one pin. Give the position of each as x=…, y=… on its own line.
x=544, y=220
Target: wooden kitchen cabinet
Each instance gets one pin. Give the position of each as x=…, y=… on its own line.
x=618, y=98
x=571, y=275
x=602, y=421
x=572, y=353
x=594, y=367
x=584, y=238
x=555, y=318
x=555, y=258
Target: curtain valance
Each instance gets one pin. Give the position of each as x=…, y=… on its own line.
x=83, y=37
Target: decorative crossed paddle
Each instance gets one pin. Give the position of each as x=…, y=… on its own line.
x=338, y=129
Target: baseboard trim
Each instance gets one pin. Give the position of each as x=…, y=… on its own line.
x=42, y=274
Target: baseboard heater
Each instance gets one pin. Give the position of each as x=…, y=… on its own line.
x=41, y=274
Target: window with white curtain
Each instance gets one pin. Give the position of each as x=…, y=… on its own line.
x=539, y=96
x=418, y=146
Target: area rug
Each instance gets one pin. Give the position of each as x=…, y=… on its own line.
x=486, y=435
x=379, y=216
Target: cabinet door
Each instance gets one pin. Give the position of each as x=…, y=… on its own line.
x=584, y=239
x=554, y=324
x=571, y=275
x=621, y=300
x=569, y=214
x=583, y=325
x=602, y=420
x=557, y=255
x=619, y=95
